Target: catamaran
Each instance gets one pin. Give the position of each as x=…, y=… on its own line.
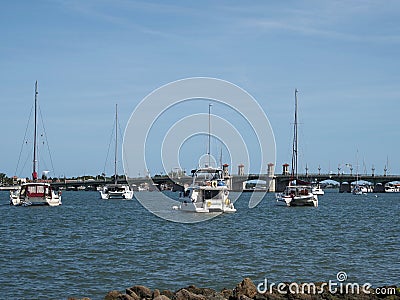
x=116, y=190
x=35, y=192
x=297, y=193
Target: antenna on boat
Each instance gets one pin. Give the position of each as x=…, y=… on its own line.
x=209, y=134
x=116, y=144
x=294, y=153
x=34, y=173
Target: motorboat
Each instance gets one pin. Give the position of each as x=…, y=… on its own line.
x=317, y=190
x=207, y=193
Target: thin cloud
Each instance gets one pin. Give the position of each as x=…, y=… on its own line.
x=276, y=25
x=113, y=12
x=361, y=21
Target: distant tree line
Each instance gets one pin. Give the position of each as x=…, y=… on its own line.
x=5, y=180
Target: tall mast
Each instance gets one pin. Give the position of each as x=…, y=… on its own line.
x=116, y=144
x=294, y=153
x=209, y=134
x=34, y=173
x=220, y=158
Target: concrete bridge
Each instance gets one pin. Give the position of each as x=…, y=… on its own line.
x=238, y=182
x=378, y=181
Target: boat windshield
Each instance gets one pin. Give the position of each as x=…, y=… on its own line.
x=206, y=175
x=210, y=194
x=35, y=190
x=298, y=190
x=116, y=188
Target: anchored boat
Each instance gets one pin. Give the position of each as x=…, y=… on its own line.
x=207, y=193
x=297, y=193
x=116, y=190
x=35, y=192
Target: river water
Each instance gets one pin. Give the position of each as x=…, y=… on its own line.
x=88, y=246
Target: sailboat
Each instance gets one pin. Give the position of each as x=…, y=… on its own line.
x=297, y=192
x=357, y=189
x=35, y=192
x=208, y=192
x=116, y=190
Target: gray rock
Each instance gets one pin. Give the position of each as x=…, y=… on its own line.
x=246, y=288
x=184, y=294
x=161, y=297
x=112, y=295
x=139, y=292
x=200, y=291
x=244, y=297
x=168, y=294
x=156, y=293
x=226, y=293
x=126, y=297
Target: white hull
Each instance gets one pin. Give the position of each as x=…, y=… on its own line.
x=318, y=191
x=205, y=195
x=42, y=195
x=297, y=201
x=297, y=196
x=116, y=192
x=207, y=206
x=392, y=190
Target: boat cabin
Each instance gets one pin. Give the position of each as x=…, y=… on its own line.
x=35, y=190
x=298, y=190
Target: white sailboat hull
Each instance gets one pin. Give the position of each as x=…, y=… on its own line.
x=297, y=196
x=116, y=192
x=297, y=201
x=35, y=194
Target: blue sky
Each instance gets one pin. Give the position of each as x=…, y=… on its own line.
x=343, y=56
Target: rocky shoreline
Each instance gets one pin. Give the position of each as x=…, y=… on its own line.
x=247, y=290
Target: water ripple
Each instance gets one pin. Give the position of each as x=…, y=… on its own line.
x=89, y=246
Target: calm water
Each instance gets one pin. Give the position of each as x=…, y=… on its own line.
x=88, y=246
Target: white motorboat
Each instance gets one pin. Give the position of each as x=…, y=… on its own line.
x=116, y=190
x=208, y=193
x=297, y=193
x=35, y=192
x=317, y=190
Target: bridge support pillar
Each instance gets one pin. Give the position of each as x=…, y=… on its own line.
x=272, y=185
